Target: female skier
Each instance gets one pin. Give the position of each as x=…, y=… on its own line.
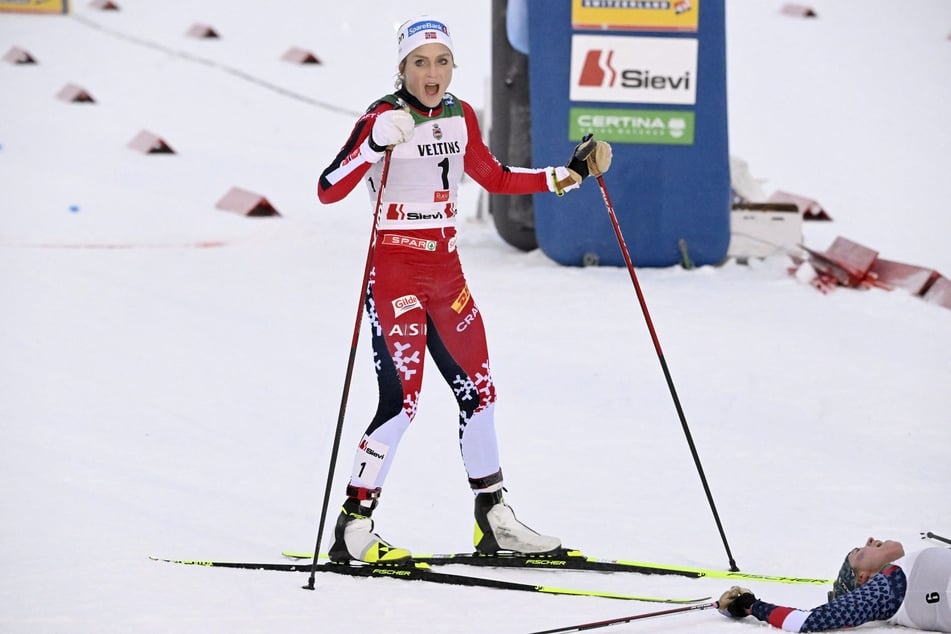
x=417, y=296
x=876, y=582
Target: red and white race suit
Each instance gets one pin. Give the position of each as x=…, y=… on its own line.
x=417, y=296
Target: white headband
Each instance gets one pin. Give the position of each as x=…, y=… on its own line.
x=423, y=30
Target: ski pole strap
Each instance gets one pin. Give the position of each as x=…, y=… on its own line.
x=487, y=484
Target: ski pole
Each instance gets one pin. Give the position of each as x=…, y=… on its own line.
x=349, y=374
x=930, y=535
x=627, y=619
x=663, y=364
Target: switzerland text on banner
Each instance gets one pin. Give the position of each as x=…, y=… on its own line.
x=35, y=6
x=635, y=15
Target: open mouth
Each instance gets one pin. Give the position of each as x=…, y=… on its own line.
x=431, y=89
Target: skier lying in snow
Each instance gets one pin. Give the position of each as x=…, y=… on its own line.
x=877, y=582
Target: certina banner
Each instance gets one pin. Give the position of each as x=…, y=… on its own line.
x=659, y=127
x=628, y=69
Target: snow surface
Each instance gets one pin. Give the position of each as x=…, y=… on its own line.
x=163, y=396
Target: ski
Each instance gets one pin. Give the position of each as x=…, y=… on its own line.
x=576, y=560
x=421, y=571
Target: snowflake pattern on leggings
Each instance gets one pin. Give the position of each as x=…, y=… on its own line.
x=410, y=403
x=485, y=384
x=468, y=390
x=403, y=362
x=464, y=388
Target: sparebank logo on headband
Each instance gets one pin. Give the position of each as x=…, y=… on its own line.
x=633, y=69
x=428, y=25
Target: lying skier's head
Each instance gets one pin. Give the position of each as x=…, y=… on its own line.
x=863, y=563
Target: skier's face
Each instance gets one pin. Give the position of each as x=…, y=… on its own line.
x=427, y=71
x=868, y=560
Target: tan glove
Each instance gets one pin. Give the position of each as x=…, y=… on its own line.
x=562, y=179
x=590, y=158
x=599, y=161
x=735, y=602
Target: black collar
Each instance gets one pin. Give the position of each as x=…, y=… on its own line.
x=416, y=105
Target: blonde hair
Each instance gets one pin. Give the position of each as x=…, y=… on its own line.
x=399, y=79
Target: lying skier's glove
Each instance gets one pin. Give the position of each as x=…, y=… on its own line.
x=735, y=602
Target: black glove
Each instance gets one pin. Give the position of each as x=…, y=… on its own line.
x=741, y=604
x=590, y=158
x=735, y=602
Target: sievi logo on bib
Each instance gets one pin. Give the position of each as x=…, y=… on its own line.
x=375, y=449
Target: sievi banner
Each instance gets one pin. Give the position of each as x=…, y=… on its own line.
x=649, y=77
x=631, y=69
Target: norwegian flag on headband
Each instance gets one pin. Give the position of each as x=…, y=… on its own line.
x=430, y=35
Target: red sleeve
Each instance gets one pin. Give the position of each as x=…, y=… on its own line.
x=349, y=166
x=486, y=170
